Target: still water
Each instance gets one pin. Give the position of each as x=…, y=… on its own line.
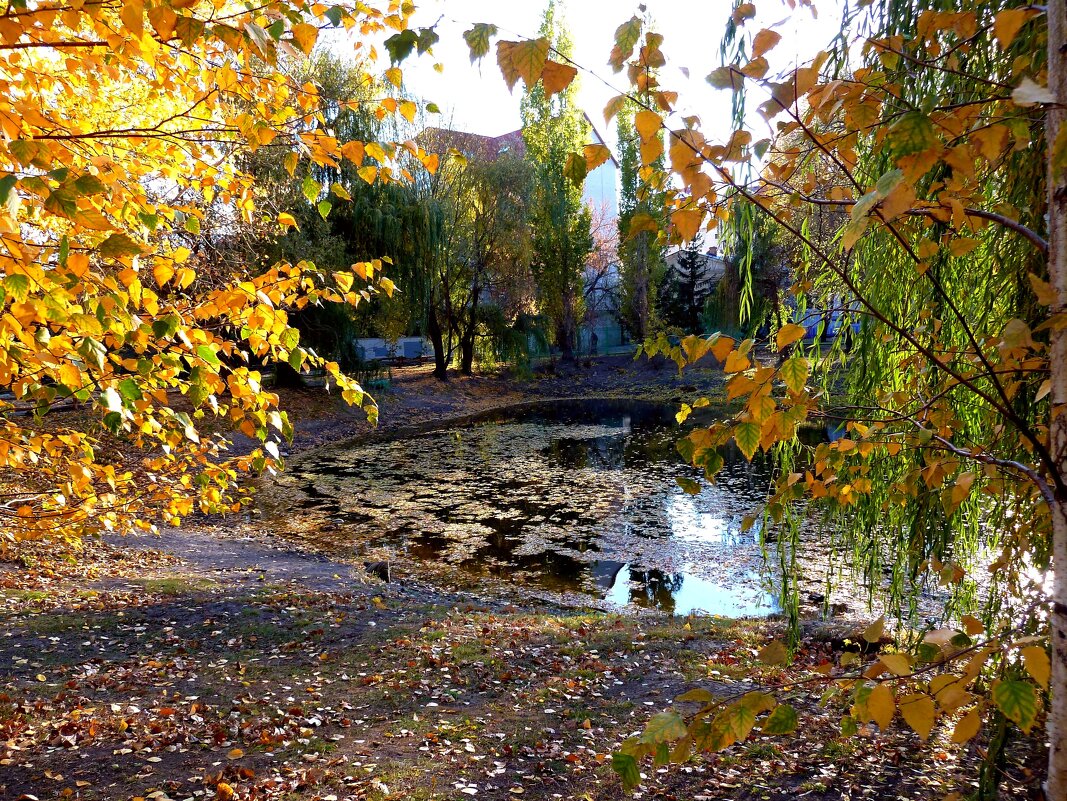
x=571, y=498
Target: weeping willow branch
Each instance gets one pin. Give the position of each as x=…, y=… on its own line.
x=1007, y=222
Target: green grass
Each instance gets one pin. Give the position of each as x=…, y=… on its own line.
x=173, y=586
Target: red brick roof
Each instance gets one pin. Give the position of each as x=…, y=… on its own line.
x=489, y=148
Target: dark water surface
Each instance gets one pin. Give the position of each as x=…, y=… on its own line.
x=565, y=498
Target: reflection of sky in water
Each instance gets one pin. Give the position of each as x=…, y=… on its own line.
x=691, y=522
x=689, y=592
x=584, y=500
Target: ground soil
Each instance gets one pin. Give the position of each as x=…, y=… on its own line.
x=219, y=663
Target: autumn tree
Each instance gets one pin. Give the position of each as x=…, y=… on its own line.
x=124, y=128
x=553, y=128
x=642, y=244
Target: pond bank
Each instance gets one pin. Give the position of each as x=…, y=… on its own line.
x=415, y=398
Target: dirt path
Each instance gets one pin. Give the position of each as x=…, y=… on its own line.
x=202, y=666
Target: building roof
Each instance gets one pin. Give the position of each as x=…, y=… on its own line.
x=484, y=147
x=489, y=148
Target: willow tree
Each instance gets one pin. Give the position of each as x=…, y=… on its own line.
x=553, y=127
x=944, y=122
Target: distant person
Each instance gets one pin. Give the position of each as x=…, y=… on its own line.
x=593, y=340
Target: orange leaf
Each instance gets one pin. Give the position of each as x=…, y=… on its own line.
x=556, y=77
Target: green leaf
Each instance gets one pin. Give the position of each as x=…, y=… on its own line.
x=310, y=188
x=166, y=327
x=711, y=460
x=118, y=245
x=290, y=338
x=88, y=184
x=698, y=694
x=335, y=14
x=664, y=727
x=7, y=187
x=208, y=354
x=400, y=45
x=427, y=38
x=690, y=486
x=912, y=133
x=783, y=720
x=477, y=39
x=626, y=36
x=794, y=373
x=92, y=352
x=17, y=287
x=747, y=437
x=1018, y=701
x=726, y=78
x=324, y=207
x=888, y=182
x=130, y=390
x=575, y=169
x=111, y=400
x=192, y=224
x=62, y=202
x=626, y=767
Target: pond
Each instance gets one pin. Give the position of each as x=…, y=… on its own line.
x=563, y=498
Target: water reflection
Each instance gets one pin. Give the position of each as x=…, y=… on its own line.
x=572, y=499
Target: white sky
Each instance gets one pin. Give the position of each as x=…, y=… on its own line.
x=475, y=98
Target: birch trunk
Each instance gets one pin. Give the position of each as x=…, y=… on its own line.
x=1056, y=788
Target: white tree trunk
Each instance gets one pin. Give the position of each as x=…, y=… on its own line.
x=1056, y=788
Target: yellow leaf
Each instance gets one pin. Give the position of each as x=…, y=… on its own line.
x=756, y=68
x=774, y=653
x=235, y=753
x=595, y=155
x=290, y=162
x=764, y=41
x=919, y=712
x=408, y=110
x=287, y=220
x=968, y=727
x=1007, y=23
x=556, y=77
x=648, y=124
x=1036, y=661
x=881, y=705
x=306, y=36
x=78, y=264
x=70, y=376
x=524, y=60
x=687, y=222
x=163, y=19
x=788, y=334
x=873, y=633
x=736, y=363
x=721, y=347
x=972, y=625
x=162, y=272
x=898, y=664
x=132, y=15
